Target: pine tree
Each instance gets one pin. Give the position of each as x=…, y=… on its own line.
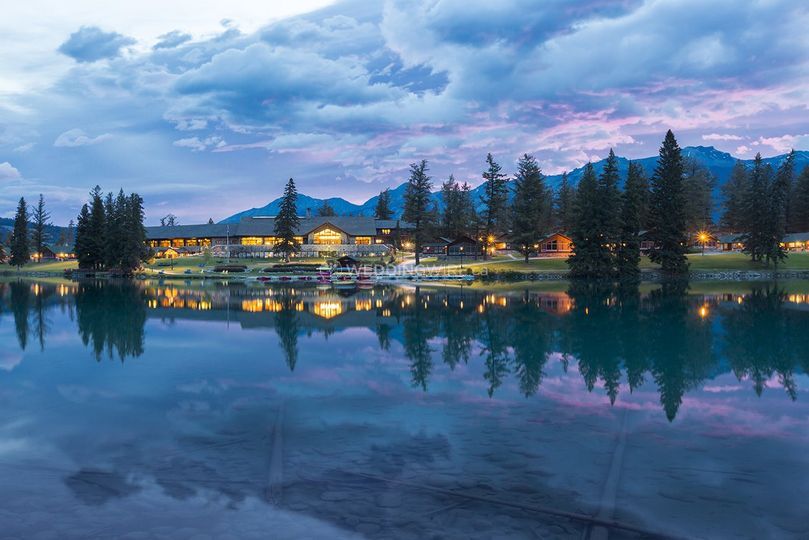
x=210, y=221
x=565, y=202
x=287, y=222
x=800, y=204
x=532, y=205
x=133, y=252
x=383, y=209
x=778, y=202
x=610, y=208
x=326, y=210
x=417, y=208
x=755, y=210
x=495, y=201
x=82, y=244
x=590, y=259
x=632, y=203
x=2, y=252
x=667, y=211
x=734, y=192
x=19, y=245
x=698, y=185
x=95, y=230
x=41, y=219
x=459, y=214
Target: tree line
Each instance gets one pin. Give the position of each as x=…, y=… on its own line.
x=607, y=222
x=110, y=234
x=29, y=234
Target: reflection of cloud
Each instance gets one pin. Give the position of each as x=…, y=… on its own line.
x=9, y=360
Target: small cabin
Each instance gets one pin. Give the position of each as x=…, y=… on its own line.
x=435, y=246
x=463, y=247
x=557, y=243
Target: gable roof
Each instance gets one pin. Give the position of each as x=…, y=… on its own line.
x=797, y=237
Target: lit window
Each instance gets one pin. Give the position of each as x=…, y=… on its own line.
x=328, y=237
x=362, y=240
x=251, y=241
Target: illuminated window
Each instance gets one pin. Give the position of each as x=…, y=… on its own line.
x=385, y=231
x=553, y=245
x=205, y=242
x=251, y=241
x=328, y=237
x=269, y=240
x=192, y=242
x=177, y=242
x=378, y=241
x=363, y=240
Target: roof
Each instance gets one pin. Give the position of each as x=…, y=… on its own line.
x=557, y=233
x=797, y=237
x=59, y=248
x=463, y=240
x=729, y=238
x=265, y=226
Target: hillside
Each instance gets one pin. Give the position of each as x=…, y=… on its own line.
x=7, y=224
x=719, y=163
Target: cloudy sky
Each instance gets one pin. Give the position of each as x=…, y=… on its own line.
x=207, y=107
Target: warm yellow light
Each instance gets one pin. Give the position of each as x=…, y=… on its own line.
x=490, y=238
x=703, y=311
x=703, y=236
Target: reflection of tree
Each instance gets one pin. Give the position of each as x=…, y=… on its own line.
x=633, y=348
x=40, y=311
x=111, y=317
x=383, y=335
x=459, y=330
x=21, y=308
x=287, y=327
x=417, y=332
x=494, y=340
x=679, y=343
x=594, y=340
x=759, y=339
x=531, y=341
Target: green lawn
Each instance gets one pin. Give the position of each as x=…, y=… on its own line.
x=56, y=266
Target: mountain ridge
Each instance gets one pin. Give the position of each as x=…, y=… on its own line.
x=718, y=162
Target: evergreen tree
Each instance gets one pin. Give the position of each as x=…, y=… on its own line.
x=532, y=205
x=417, y=203
x=2, y=252
x=210, y=221
x=95, y=230
x=169, y=220
x=755, y=210
x=134, y=251
x=82, y=244
x=590, y=258
x=778, y=202
x=633, y=200
x=610, y=208
x=495, y=201
x=800, y=203
x=667, y=211
x=383, y=209
x=41, y=219
x=565, y=205
x=734, y=192
x=698, y=185
x=326, y=210
x=287, y=222
x=459, y=214
x=19, y=245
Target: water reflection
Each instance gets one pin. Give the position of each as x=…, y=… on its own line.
x=618, y=338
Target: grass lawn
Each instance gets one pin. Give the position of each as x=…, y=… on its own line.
x=56, y=266
x=740, y=261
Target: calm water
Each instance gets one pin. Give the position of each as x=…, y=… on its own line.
x=149, y=410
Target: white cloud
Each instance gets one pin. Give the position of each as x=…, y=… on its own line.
x=8, y=171
x=784, y=143
x=198, y=145
x=77, y=137
x=721, y=137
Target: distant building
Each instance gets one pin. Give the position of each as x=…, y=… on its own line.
x=464, y=247
x=557, y=243
x=55, y=252
x=326, y=236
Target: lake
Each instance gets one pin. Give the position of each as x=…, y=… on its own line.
x=150, y=410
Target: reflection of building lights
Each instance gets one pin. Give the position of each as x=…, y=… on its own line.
x=703, y=312
x=327, y=310
x=362, y=305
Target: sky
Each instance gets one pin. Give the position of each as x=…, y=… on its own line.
x=206, y=108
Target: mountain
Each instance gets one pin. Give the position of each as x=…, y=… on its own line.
x=719, y=163
x=54, y=232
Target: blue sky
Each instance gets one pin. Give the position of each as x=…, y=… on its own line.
x=207, y=109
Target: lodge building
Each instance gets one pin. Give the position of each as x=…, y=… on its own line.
x=255, y=237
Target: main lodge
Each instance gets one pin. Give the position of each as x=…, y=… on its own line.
x=255, y=237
